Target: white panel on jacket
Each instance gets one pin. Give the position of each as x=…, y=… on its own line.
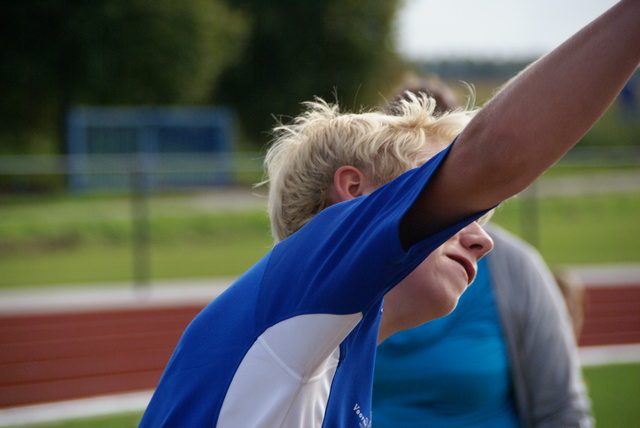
x=285, y=378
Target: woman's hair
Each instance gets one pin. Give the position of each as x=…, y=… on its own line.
x=445, y=97
x=306, y=153
x=572, y=289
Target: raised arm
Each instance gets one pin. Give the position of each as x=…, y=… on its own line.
x=532, y=122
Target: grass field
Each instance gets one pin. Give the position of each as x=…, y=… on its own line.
x=577, y=229
x=613, y=389
x=62, y=240
x=89, y=240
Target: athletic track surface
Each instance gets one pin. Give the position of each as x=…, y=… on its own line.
x=83, y=342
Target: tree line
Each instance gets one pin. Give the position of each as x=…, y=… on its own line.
x=259, y=57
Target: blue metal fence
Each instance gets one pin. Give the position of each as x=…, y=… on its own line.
x=107, y=144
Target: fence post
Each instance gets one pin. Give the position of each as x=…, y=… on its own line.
x=141, y=230
x=530, y=216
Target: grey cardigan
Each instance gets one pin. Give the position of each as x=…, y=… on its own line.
x=546, y=372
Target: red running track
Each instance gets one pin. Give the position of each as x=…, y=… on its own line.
x=73, y=354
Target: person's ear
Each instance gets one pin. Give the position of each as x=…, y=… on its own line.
x=349, y=183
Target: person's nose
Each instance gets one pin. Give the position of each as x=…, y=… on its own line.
x=475, y=239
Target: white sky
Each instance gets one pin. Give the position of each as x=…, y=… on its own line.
x=490, y=29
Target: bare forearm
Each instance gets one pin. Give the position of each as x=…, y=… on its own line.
x=543, y=112
x=532, y=122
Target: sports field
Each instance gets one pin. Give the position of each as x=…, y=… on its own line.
x=89, y=240
x=82, y=240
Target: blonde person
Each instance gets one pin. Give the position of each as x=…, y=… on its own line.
x=370, y=206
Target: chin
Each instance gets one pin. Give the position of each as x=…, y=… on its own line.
x=445, y=307
x=450, y=309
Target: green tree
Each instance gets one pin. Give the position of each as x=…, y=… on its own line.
x=59, y=53
x=299, y=49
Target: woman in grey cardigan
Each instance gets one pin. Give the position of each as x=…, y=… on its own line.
x=505, y=357
x=546, y=373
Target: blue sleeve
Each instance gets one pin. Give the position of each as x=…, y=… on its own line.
x=350, y=254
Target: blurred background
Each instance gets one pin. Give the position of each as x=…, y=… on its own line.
x=132, y=133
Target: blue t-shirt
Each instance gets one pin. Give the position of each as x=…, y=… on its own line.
x=450, y=372
x=292, y=342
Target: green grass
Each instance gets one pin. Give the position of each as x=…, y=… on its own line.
x=114, y=263
x=578, y=230
x=129, y=420
x=100, y=249
x=614, y=391
x=84, y=240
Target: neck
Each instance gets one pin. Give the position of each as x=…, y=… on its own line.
x=390, y=325
x=383, y=333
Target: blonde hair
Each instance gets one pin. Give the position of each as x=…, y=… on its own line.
x=305, y=154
